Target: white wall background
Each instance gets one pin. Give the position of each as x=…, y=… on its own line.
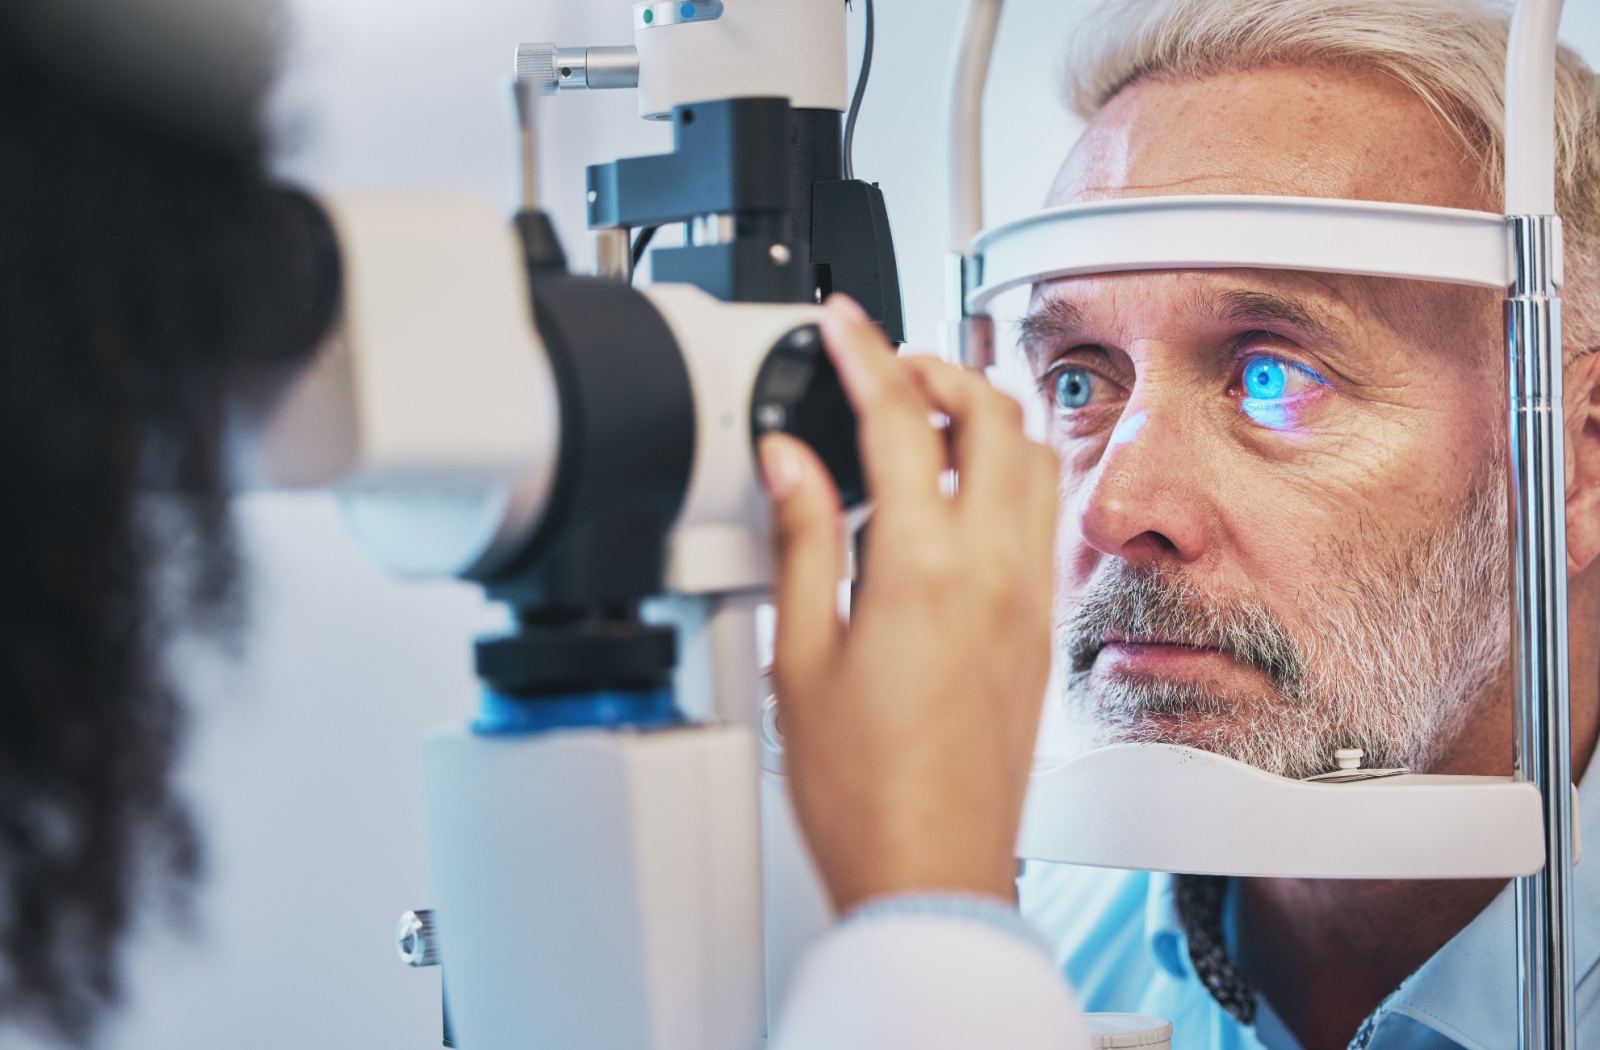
x=303, y=760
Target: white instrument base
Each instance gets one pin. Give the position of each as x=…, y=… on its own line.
x=598, y=890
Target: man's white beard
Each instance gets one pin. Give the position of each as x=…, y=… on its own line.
x=1396, y=646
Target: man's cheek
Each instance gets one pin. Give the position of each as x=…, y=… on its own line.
x=1286, y=505
x=1076, y=560
x=1079, y=453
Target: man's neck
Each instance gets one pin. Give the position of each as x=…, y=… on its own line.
x=1325, y=953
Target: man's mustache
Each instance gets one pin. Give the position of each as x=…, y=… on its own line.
x=1155, y=602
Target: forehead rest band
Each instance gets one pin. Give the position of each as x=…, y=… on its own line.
x=1367, y=238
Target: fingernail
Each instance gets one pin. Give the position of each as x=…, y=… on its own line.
x=846, y=306
x=780, y=467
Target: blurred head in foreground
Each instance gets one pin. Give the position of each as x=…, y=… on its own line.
x=146, y=265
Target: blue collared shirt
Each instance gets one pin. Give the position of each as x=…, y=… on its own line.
x=1118, y=939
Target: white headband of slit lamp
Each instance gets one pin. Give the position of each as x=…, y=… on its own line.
x=1368, y=238
x=1248, y=232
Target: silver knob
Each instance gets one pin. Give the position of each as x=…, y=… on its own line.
x=536, y=65
x=418, y=939
x=549, y=69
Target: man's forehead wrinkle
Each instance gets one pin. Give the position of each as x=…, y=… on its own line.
x=1297, y=129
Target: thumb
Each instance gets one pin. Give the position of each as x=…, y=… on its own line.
x=808, y=529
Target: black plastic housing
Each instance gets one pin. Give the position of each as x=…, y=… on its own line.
x=800, y=231
x=852, y=251
x=627, y=446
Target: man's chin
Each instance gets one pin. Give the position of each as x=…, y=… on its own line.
x=1273, y=741
x=1208, y=732
x=1125, y=709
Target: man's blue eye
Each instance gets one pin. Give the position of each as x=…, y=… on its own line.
x=1264, y=378
x=1074, y=387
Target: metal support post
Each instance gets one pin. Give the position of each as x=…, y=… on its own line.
x=969, y=337
x=1543, y=714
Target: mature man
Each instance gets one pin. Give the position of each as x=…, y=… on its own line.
x=1284, y=511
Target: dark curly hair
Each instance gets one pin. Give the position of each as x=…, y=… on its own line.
x=147, y=266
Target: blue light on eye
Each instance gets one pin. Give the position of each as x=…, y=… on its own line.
x=1264, y=379
x=1074, y=388
x=1274, y=415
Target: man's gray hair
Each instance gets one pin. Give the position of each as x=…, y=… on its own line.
x=1452, y=53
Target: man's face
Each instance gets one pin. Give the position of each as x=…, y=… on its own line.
x=1283, y=500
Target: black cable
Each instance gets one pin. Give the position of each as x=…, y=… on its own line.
x=861, y=93
x=641, y=242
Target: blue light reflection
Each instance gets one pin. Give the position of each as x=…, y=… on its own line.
x=1273, y=414
x=1128, y=428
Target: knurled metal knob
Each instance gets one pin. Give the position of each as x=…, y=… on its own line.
x=418, y=939
x=536, y=65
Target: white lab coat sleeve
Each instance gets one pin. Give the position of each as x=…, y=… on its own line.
x=927, y=982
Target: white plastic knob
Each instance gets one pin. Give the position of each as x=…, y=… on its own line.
x=1349, y=757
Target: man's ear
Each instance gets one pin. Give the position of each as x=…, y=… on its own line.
x=1582, y=410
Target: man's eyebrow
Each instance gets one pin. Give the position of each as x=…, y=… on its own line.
x=1052, y=320
x=1057, y=320
x=1246, y=307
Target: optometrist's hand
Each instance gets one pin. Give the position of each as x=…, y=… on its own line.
x=909, y=733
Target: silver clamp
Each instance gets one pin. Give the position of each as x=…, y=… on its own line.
x=551, y=69
x=970, y=337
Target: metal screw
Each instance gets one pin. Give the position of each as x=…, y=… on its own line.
x=418, y=939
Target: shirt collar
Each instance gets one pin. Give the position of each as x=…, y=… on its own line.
x=1164, y=932
x=1468, y=990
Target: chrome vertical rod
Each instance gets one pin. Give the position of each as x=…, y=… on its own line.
x=1543, y=714
x=525, y=97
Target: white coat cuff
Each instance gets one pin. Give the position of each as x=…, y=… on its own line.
x=884, y=979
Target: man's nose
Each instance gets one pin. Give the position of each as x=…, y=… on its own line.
x=1143, y=502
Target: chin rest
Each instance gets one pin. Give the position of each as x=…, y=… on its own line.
x=1161, y=807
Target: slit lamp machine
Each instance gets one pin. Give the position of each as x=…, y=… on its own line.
x=611, y=852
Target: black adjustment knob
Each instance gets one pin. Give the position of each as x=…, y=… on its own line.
x=798, y=392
